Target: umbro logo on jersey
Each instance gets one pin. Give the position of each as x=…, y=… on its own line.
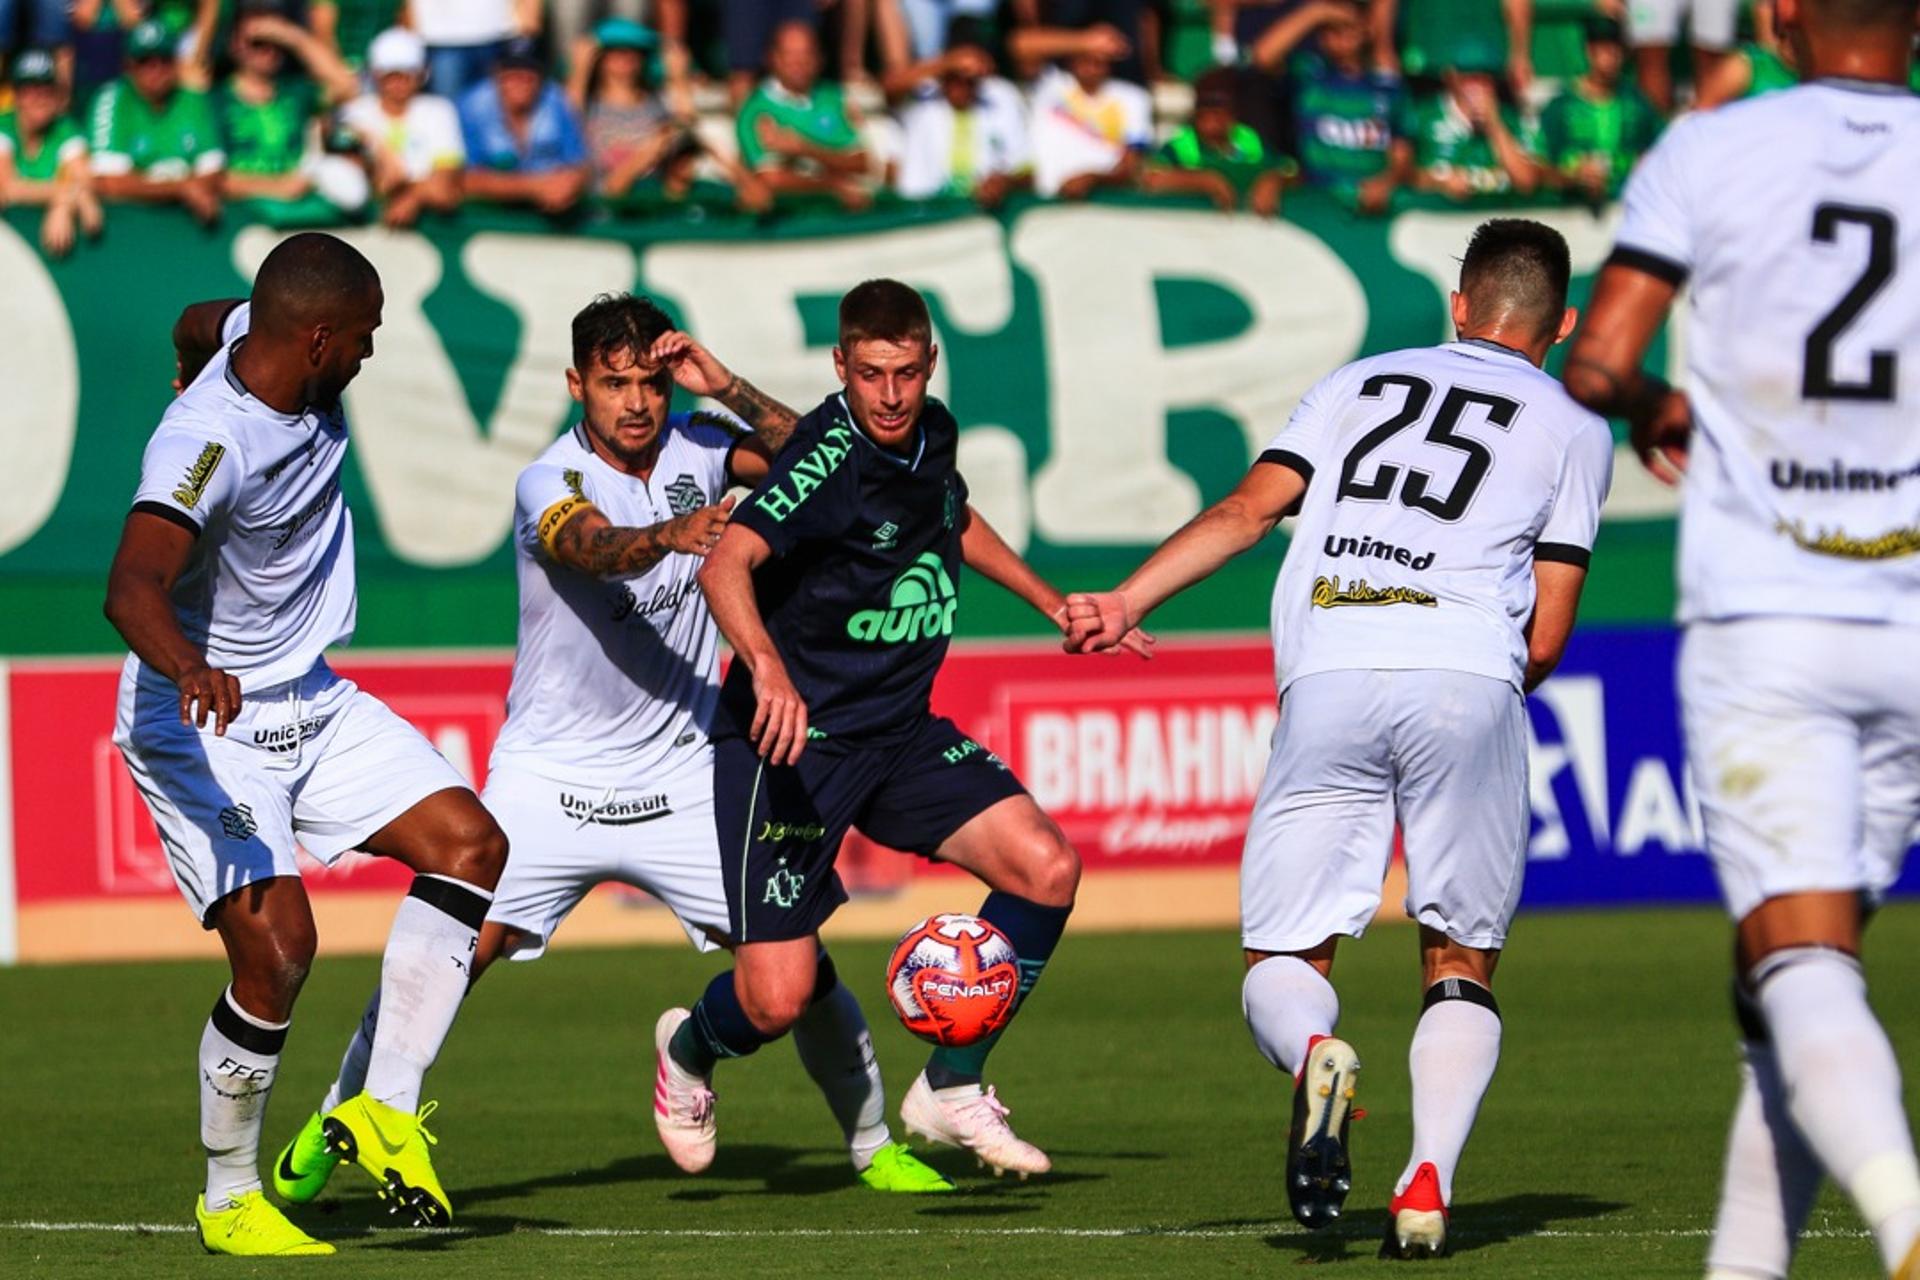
x=194, y=483
x=920, y=607
x=886, y=537
x=608, y=812
x=1367, y=549
x=236, y=822
x=1329, y=594
x=684, y=496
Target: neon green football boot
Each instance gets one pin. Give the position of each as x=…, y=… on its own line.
x=305, y=1164
x=253, y=1228
x=392, y=1146
x=895, y=1168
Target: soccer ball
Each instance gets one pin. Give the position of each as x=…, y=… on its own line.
x=953, y=979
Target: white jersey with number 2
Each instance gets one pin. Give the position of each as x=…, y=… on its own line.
x=1794, y=221
x=1436, y=477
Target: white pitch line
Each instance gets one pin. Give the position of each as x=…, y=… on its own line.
x=787, y=1233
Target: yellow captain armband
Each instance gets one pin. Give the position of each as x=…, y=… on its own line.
x=555, y=517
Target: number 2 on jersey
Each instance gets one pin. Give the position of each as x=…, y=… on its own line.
x=1379, y=486
x=1816, y=380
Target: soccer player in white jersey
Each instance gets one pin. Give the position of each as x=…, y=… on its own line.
x=1448, y=500
x=233, y=575
x=1794, y=222
x=603, y=771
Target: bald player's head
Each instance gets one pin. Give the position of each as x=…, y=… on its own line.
x=316, y=302
x=1514, y=278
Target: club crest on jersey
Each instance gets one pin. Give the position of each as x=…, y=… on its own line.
x=194, y=483
x=783, y=888
x=920, y=607
x=684, y=496
x=781, y=499
x=574, y=480
x=1329, y=594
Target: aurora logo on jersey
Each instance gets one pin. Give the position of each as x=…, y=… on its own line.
x=1891, y=545
x=1329, y=594
x=194, y=483
x=920, y=607
x=684, y=496
x=782, y=499
x=1364, y=548
x=608, y=812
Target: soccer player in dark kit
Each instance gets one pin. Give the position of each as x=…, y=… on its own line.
x=835, y=583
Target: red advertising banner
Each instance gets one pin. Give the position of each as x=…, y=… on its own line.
x=1142, y=763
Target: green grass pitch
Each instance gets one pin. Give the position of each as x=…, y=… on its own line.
x=1597, y=1153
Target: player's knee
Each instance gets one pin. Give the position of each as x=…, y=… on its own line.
x=773, y=1008
x=476, y=852
x=1052, y=868
x=267, y=981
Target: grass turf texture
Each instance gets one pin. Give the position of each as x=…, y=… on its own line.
x=1597, y=1153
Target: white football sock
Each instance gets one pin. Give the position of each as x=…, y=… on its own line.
x=1843, y=1087
x=1456, y=1046
x=239, y=1057
x=353, y=1066
x=423, y=978
x=1287, y=1002
x=1771, y=1178
x=837, y=1050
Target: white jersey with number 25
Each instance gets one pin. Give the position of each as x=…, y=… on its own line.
x=1436, y=477
x=1794, y=220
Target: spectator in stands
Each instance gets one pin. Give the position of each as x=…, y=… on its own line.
x=153, y=141
x=1594, y=133
x=1464, y=142
x=349, y=26
x=523, y=142
x=411, y=139
x=1219, y=157
x=268, y=120
x=464, y=38
x=42, y=26
x=965, y=134
x=666, y=40
x=930, y=23
x=1756, y=67
x=799, y=134
x=1494, y=37
x=1055, y=30
x=752, y=27
x=1655, y=28
x=43, y=157
x=99, y=41
x=1343, y=105
x=1090, y=131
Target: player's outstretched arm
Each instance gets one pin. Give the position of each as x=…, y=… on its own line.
x=152, y=554
x=696, y=369
x=1603, y=369
x=1097, y=620
x=987, y=554
x=1556, y=600
x=779, y=729
x=196, y=337
x=593, y=544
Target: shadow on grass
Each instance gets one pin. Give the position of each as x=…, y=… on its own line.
x=1473, y=1226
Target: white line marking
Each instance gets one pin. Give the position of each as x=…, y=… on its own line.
x=1096, y=1233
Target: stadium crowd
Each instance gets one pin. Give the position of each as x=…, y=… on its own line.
x=327, y=112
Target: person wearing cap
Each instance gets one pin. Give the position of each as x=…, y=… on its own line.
x=464, y=38
x=153, y=141
x=523, y=143
x=411, y=139
x=1594, y=132
x=1090, y=131
x=44, y=26
x=965, y=133
x=1218, y=156
x=269, y=121
x=799, y=134
x=43, y=157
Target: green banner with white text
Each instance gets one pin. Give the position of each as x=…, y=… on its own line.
x=1114, y=366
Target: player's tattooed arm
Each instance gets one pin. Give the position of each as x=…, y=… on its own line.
x=771, y=421
x=589, y=542
x=698, y=370
x=1604, y=373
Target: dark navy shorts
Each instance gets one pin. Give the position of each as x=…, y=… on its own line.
x=780, y=827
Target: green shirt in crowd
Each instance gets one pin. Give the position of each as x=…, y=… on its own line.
x=1241, y=161
x=267, y=139
x=176, y=141
x=1619, y=130
x=61, y=143
x=1452, y=35
x=1769, y=72
x=1344, y=122
x=1445, y=141
x=820, y=117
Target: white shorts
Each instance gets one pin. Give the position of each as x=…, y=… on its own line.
x=563, y=839
x=314, y=758
x=1803, y=741
x=1444, y=752
x=1658, y=22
